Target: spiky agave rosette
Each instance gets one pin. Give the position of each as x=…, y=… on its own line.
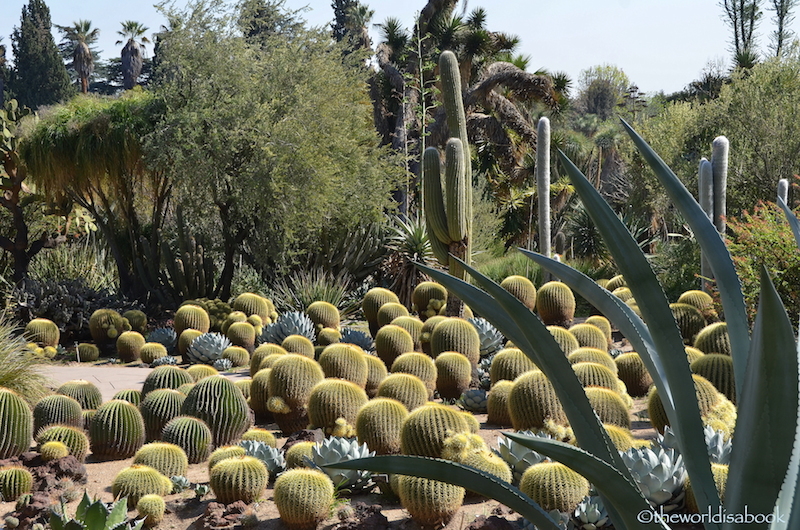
x=517, y=456
x=659, y=473
x=293, y=323
x=719, y=449
x=358, y=338
x=591, y=514
x=338, y=449
x=272, y=457
x=207, y=348
x=474, y=400
x=491, y=339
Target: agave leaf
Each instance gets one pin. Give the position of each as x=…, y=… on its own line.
x=615, y=310
x=80, y=511
x=118, y=514
x=95, y=516
x=793, y=222
x=465, y=476
x=608, y=481
x=771, y=398
x=520, y=325
x=72, y=524
x=656, y=313
x=787, y=507
x=57, y=519
x=715, y=252
x=507, y=313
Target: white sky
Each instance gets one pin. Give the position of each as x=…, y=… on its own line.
x=660, y=44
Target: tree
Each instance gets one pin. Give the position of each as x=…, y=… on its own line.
x=132, y=52
x=78, y=39
x=783, y=19
x=270, y=144
x=90, y=149
x=5, y=72
x=743, y=17
x=40, y=77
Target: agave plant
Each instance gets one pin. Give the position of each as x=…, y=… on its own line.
x=474, y=400
x=95, y=515
x=167, y=359
x=591, y=514
x=358, y=338
x=272, y=458
x=491, y=339
x=222, y=364
x=164, y=336
x=766, y=373
x=207, y=348
x=517, y=456
x=719, y=449
x=292, y=323
x=179, y=483
x=337, y=449
x=660, y=475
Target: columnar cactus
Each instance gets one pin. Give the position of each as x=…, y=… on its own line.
x=159, y=408
x=16, y=419
x=429, y=502
x=555, y=304
x=73, y=437
x=218, y=402
x=43, y=332
x=373, y=300
x=241, y=478
x=117, y=430
x=406, y=388
x=136, y=481
x=345, y=361
x=82, y=391
x=57, y=409
x=449, y=218
x=290, y=382
x=508, y=364
x=190, y=434
x=521, y=287
x=303, y=498
x=166, y=458
x=532, y=401
x=333, y=405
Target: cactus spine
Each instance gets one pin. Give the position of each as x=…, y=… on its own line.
x=151, y=508
x=303, y=498
x=431, y=503
x=14, y=482
x=83, y=392
x=137, y=481
x=117, y=430
x=73, y=437
x=190, y=434
x=57, y=409
x=241, y=478
x=168, y=459
x=218, y=402
x=378, y=425
x=158, y=409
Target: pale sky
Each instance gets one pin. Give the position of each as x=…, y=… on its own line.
x=660, y=44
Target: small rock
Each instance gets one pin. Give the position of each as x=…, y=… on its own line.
x=306, y=435
x=492, y=522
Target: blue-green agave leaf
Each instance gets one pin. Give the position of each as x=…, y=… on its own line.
x=655, y=310
x=787, y=508
x=118, y=514
x=607, y=480
x=793, y=222
x=715, y=252
x=465, y=476
x=767, y=415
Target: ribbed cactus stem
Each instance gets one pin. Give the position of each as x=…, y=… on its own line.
x=705, y=182
x=454, y=105
x=719, y=162
x=435, y=215
x=455, y=177
x=543, y=183
x=783, y=190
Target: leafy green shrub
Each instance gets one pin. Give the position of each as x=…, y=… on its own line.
x=297, y=290
x=85, y=259
x=512, y=263
x=677, y=264
x=764, y=237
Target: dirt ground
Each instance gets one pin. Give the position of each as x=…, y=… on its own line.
x=185, y=511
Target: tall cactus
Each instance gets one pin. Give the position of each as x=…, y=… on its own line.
x=543, y=186
x=713, y=183
x=450, y=223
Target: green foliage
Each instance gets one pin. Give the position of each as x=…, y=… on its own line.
x=510, y=264
x=19, y=368
x=763, y=238
x=96, y=515
x=298, y=290
x=677, y=263
x=40, y=77
x=87, y=260
x=272, y=90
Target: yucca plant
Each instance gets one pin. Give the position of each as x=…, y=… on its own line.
x=408, y=244
x=298, y=290
x=765, y=369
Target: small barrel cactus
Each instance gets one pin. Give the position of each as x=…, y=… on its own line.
x=376, y=372
x=240, y=478
x=129, y=346
x=324, y=315
x=302, y=345
x=373, y=300
x=391, y=342
x=43, y=332
x=417, y=364
x=53, y=451
x=456, y=334
x=191, y=317
x=73, y=437
x=106, y=325
x=304, y=498
x=158, y=408
x=201, y=371
x=87, y=353
x=554, y=486
x=379, y=423
x=497, y=404
x=150, y=351
x=84, y=392
x=218, y=402
x=428, y=298
x=406, y=388
x=632, y=371
x=192, y=435
x=532, y=401
x=453, y=374
x=270, y=456
x=589, y=336
x=254, y=304
x=226, y=451
x=333, y=405
x=14, y=482
x=345, y=361
x=136, y=481
x=242, y=334
x=117, y=430
x=522, y=289
x=414, y=327
x=593, y=355
x=237, y=355
x=426, y=429
x=565, y=339
x=166, y=458
x=508, y=364
x=131, y=395
x=429, y=502
x=57, y=409
x=555, y=304
x=151, y=508
x=714, y=338
x=291, y=380
x=718, y=370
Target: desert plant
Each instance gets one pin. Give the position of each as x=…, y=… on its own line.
x=158, y=409
x=241, y=478
x=192, y=435
x=333, y=405
x=165, y=377
x=168, y=459
x=19, y=369
x=151, y=508
x=218, y=402
x=765, y=371
x=136, y=481
x=117, y=430
x=17, y=419
x=73, y=437
x=101, y=515
x=303, y=498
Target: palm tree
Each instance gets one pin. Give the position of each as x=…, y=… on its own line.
x=132, y=52
x=77, y=41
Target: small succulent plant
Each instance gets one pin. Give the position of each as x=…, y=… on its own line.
x=338, y=449
x=517, y=456
x=201, y=490
x=358, y=338
x=491, y=339
x=165, y=336
x=293, y=323
x=161, y=361
x=719, y=450
x=591, y=514
x=222, y=364
x=474, y=400
x=272, y=458
x=207, y=348
x=660, y=475
x=179, y=483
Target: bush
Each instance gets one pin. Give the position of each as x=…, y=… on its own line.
x=86, y=260
x=677, y=264
x=512, y=263
x=764, y=237
x=19, y=367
